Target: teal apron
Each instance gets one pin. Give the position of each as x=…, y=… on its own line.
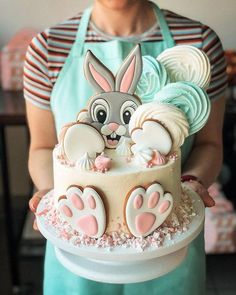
x=70, y=95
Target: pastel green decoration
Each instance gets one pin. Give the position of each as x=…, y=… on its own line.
x=190, y=99
x=154, y=77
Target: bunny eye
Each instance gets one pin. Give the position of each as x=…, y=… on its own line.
x=101, y=115
x=99, y=111
x=127, y=110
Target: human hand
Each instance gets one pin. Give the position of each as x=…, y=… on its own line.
x=202, y=192
x=34, y=201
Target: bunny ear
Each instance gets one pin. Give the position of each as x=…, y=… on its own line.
x=129, y=73
x=98, y=74
x=187, y=63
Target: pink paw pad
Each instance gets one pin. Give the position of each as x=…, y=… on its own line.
x=77, y=202
x=84, y=211
x=88, y=224
x=147, y=209
x=66, y=210
x=138, y=202
x=144, y=222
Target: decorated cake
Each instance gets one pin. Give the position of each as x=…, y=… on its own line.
x=117, y=167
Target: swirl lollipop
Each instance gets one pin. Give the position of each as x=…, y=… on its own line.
x=187, y=63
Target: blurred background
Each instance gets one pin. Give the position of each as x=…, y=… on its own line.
x=22, y=249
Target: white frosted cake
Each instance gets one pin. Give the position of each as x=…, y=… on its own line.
x=117, y=168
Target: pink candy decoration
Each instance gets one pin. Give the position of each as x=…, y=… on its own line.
x=158, y=159
x=103, y=163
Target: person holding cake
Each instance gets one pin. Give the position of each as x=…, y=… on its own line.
x=55, y=92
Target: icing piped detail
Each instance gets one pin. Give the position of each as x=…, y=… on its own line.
x=103, y=163
x=85, y=163
x=124, y=147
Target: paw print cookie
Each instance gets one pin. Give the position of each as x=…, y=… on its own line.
x=84, y=211
x=146, y=209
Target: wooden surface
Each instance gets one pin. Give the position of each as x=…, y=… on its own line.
x=12, y=108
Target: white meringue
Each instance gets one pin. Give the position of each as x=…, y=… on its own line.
x=187, y=63
x=143, y=157
x=123, y=148
x=85, y=163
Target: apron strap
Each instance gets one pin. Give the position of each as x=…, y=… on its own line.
x=82, y=31
x=166, y=33
x=84, y=22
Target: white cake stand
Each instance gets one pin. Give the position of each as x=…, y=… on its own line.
x=125, y=265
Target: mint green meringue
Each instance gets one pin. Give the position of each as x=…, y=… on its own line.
x=154, y=77
x=189, y=98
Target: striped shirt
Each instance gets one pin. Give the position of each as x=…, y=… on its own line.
x=48, y=51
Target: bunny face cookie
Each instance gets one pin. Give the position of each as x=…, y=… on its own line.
x=110, y=113
x=110, y=110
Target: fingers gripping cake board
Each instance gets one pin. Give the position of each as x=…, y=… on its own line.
x=117, y=167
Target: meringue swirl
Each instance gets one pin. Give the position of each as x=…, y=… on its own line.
x=123, y=148
x=154, y=77
x=190, y=99
x=168, y=115
x=143, y=157
x=187, y=63
x=85, y=163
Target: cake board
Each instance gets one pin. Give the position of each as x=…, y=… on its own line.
x=125, y=265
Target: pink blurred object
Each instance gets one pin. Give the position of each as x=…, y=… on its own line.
x=12, y=59
x=220, y=224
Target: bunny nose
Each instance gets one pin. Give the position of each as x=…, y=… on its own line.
x=113, y=126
